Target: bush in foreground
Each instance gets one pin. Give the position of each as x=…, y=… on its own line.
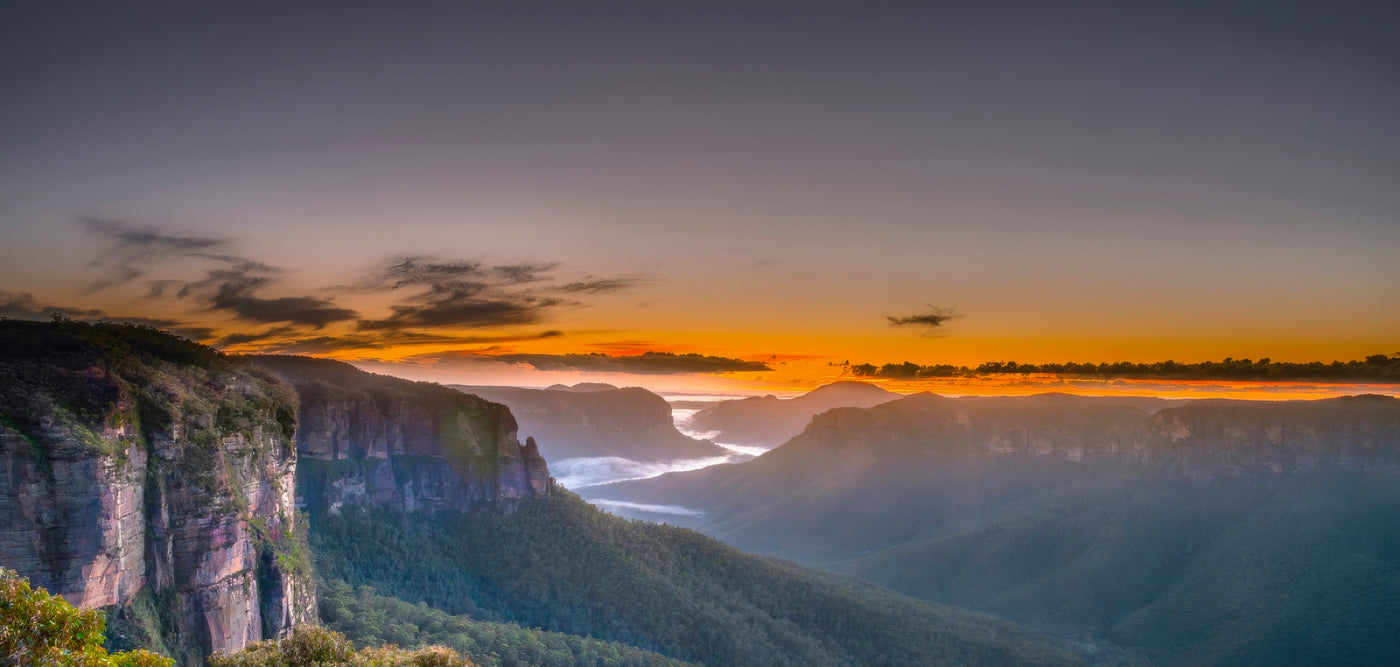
x=39, y=628
x=314, y=646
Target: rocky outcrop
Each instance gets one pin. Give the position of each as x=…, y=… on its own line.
x=592, y=420
x=126, y=477
x=373, y=439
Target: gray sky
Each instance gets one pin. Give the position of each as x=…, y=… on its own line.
x=1179, y=179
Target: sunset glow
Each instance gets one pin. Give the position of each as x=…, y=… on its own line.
x=512, y=211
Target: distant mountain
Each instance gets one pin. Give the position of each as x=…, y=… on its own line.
x=1215, y=532
x=583, y=387
x=597, y=420
x=769, y=420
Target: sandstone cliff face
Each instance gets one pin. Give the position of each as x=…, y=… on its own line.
x=631, y=422
x=372, y=439
x=175, y=485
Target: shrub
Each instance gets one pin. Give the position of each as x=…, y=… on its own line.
x=38, y=628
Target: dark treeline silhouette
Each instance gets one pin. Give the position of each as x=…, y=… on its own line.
x=1377, y=367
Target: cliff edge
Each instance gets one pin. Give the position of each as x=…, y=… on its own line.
x=378, y=440
x=151, y=477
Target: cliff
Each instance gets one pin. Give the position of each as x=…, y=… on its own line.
x=151, y=477
x=592, y=420
x=367, y=439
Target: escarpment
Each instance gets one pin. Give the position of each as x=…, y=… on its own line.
x=159, y=480
x=151, y=477
x=594, y=420
x=379, y=440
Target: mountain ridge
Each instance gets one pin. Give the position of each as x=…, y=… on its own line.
x=598, y=421
x=769, y=420
x=1205, y=533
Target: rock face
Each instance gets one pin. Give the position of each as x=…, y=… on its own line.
x=372, y=439
x=136, y=467
x=592, y=420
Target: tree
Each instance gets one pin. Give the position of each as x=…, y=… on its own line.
x=39, y=628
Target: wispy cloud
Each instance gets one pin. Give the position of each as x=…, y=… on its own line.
x=599, y=285
x=130, y=249
x=463, y=293
x=433, y=299
x=288, y=341
x=23, y=306
x=648, y=363
x=234, y=288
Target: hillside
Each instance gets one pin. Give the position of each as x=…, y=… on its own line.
x=562, y=565
x=770, y=421
x=597, y=420
x=1216, y=532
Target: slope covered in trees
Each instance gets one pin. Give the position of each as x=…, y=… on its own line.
x=370, y=619
x=562, y=565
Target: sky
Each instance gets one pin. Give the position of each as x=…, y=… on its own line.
x=755, y=193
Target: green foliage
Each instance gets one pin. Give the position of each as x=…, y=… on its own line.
x=286, y=546
x=37, y=628
x=1375, y=368
x=315, y=646
x=564, y=566
x=370, y=619
x=107, y=386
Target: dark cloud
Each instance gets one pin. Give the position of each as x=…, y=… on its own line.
x=23, y=306
x=130, y=240
x=598, y=285
x=234, y=286
x=649, y=363
x=935, y=317
x=516, y=274
x=433, y=293
x=296, y=309
x=460, y=293
x=235, y=289
x=452, y=311
x=411, y=270
x=279, y=341
x=131, y=249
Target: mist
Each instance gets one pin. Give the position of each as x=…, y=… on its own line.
x=584, y=471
